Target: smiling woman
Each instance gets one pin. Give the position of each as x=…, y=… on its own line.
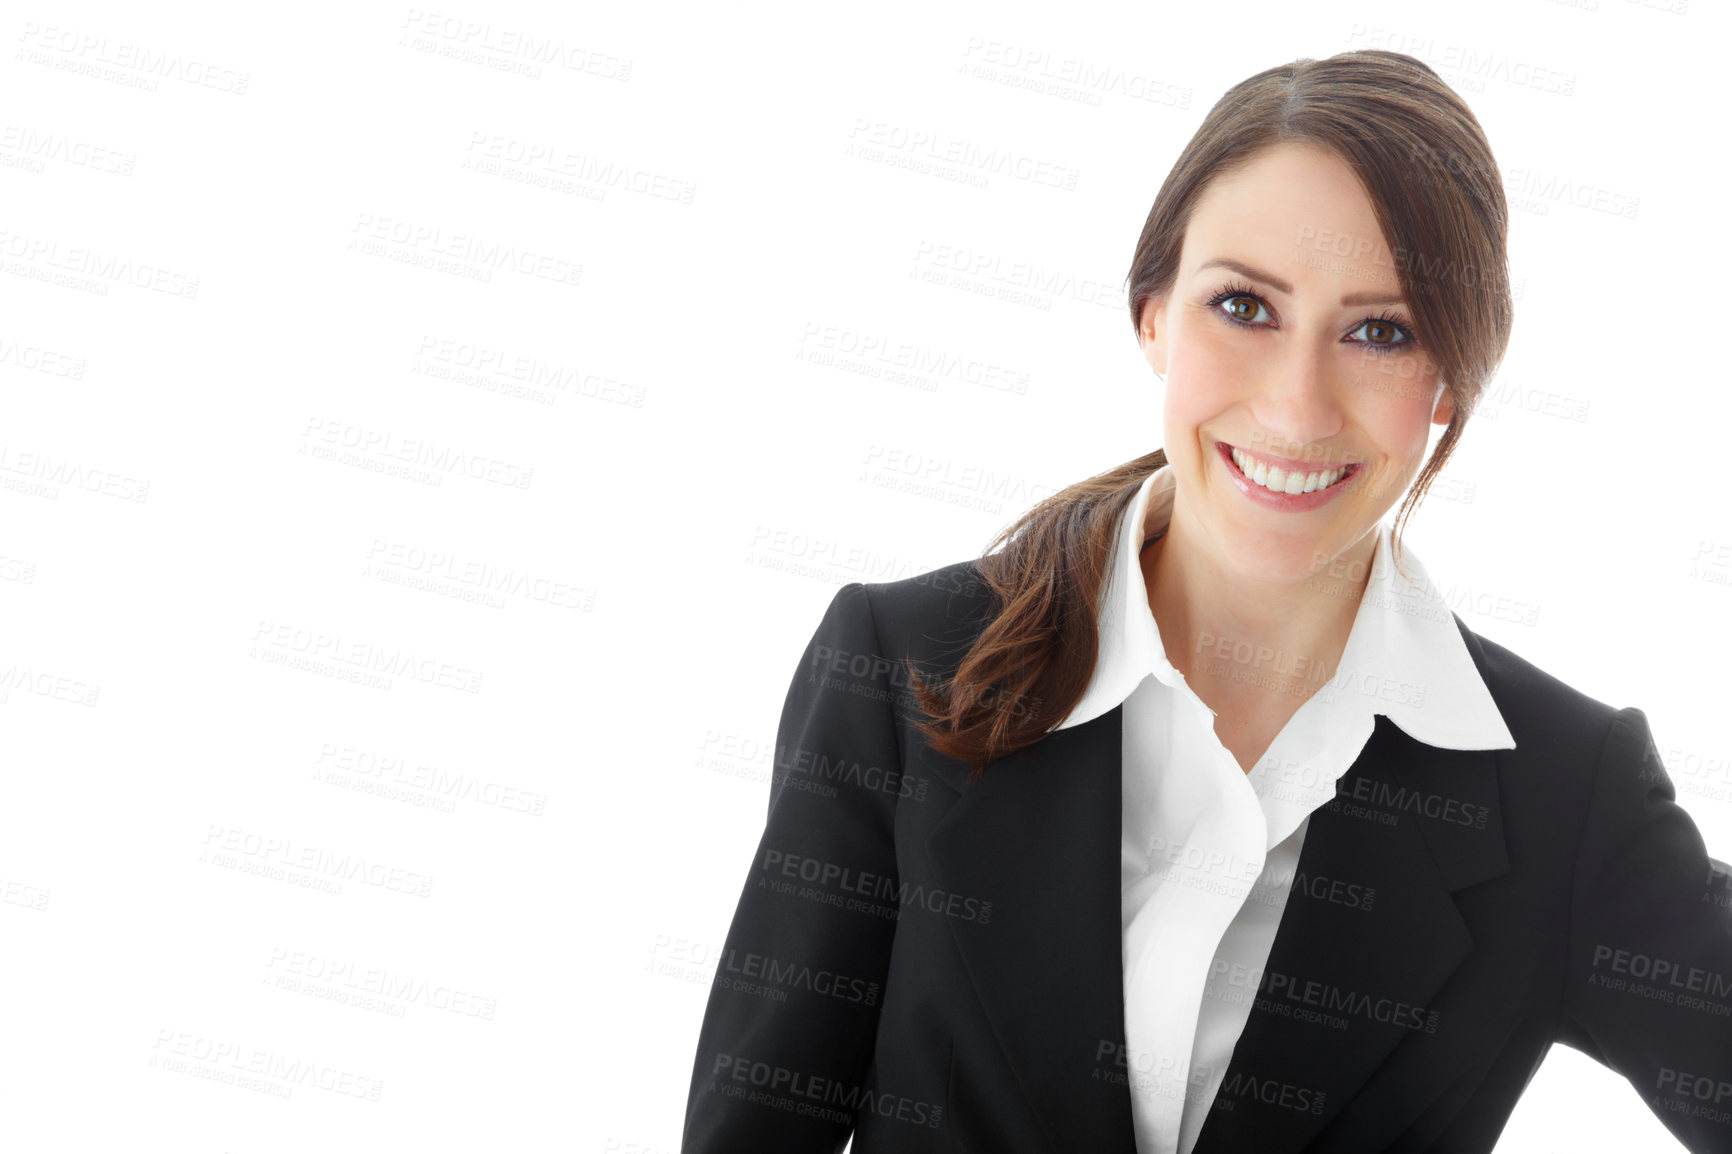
x=1281, y=382
x=1189, y=818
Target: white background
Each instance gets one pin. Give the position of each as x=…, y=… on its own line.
x=470, y=585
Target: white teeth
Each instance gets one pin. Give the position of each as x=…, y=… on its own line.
x=1280, y=481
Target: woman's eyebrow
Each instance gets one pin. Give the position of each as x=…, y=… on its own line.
x=1281, y=286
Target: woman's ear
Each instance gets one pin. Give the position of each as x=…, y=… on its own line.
x=1153, y=334
x=1444, y=411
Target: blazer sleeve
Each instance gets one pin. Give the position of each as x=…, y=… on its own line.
x=789, y=1029
x=1649, y=976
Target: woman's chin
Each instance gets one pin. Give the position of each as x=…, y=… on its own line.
x=1271, y=558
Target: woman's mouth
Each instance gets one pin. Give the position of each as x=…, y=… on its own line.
x=1271, y=485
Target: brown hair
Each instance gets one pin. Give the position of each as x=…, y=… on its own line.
x=1429, y=173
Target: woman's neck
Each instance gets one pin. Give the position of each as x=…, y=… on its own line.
x=1237, y=640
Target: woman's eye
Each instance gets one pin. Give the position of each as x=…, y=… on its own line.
x=1243, y=308
x=1381, y=333
x=1375, y=332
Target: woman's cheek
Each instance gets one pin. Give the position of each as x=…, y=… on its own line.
x=1405, y=384
x=1204, y=375
x=1404, y=409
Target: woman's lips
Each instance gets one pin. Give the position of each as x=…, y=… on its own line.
x=1288, y=464
x=1287, y=502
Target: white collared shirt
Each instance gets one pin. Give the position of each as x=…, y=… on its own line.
x=1208, y=851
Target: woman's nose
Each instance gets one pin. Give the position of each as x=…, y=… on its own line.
x=1299, y=396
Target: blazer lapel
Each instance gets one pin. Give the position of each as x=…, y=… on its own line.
x=1039, y=837
x=1347, y=988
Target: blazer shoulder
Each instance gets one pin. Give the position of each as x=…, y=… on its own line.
x=932, y=616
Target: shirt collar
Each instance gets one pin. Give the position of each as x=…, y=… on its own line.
x=1405, y=658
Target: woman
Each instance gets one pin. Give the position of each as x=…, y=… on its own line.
x=1191, y=819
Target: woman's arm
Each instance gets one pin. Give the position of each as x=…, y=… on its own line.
x=1649, y=979
x=778, y=1071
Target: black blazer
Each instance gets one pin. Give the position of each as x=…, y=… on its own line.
x=936, y=965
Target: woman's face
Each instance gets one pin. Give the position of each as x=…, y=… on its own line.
x=1262, y=353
